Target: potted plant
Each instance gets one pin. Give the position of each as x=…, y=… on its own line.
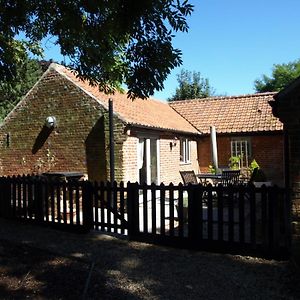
x=212, y=169
x=257, y=175
x=234, y=162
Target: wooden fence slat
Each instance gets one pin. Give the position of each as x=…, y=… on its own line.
x=108, y=206
x=271, y=218
x=14, y=196
x=19, y=196
x=133, y=209
x=70, y=188
x=230, y=214
x=122, y=203
x=145, y=207
x=252, y=215
x=102, y=203
x=171, y=209
x=87, y=205
x=241, y=199
x=220, y=213
x=64, y=197
x=24, y=197
x=264, y=215
x=162, y=209
x=153, y=207
x=77, y=202
x=96, y=205
x=30, y=198
x=58, y=195
x=115, y=205
x=277, y=219
x=180, y=210
x=52, y=197
x=209, y=213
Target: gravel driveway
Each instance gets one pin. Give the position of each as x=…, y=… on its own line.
x=100, y=266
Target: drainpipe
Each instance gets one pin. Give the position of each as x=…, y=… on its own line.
x=111, y=141
x=214, y=149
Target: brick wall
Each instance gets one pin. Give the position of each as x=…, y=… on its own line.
x=79, y=142
x=169, y=158
x=130, y=159
x=170, y=164
x=266, y=149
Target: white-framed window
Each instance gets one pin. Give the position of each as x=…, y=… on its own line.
x=185, y=151
x=242, y=148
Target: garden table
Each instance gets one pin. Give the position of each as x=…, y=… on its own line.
x=206, y=178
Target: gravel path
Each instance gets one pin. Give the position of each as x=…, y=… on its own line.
x=119, y=269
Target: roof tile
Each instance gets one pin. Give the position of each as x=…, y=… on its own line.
x=149, y=113
x=234, y=114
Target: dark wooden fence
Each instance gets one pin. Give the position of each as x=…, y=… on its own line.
x=234, y=219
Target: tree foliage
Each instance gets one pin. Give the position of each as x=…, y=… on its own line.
x=27, y=73
x=191, y=86
x=107, y=42
x=282, y=75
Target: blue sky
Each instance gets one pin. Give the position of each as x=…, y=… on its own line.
x=234, y=42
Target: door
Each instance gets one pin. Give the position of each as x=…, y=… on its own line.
x=148, y=160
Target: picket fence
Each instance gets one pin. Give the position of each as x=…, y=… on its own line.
x=233, y=219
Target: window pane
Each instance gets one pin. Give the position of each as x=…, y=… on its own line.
x=241, y=148
x=187, y=158
x=181, y=150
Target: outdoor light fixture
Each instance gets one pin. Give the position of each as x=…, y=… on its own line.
x=172, y=144
x=50, y=122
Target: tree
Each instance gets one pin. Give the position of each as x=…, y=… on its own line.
x=191, y=86
x=107, y=42
x=27, y=73
x=282, y=75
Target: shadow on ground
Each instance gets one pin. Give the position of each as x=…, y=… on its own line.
x=44, y=263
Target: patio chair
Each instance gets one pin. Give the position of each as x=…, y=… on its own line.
x=188, y=177
x=230, y=177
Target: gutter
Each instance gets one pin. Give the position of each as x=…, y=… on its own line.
x=140, y=126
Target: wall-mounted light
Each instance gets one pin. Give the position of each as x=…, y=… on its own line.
x=50, y=122
x=172, y=144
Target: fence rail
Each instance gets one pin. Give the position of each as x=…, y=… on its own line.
x=236, y=219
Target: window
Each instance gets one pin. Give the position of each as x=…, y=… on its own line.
x=7, y=140
x=185, y=151
x=242, y=148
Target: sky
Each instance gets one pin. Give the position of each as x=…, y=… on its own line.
x=233, y=42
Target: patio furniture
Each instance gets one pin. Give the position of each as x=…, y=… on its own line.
x=230, y=177
x=206, y=178
x=188, y=177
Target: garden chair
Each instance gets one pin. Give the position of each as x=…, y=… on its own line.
x=230, y=177
x=188, y=177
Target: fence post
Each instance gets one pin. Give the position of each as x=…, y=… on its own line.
x=194, y=226
x=37, y=201
x=7, y=196
x=87, y=205
x=2, y=203
x=133, y=209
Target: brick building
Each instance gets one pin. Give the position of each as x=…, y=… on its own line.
x=152, y=141
x=244, y=124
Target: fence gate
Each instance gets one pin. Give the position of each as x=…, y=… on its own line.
x=232, y=219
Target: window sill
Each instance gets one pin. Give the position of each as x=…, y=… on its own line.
x=184, y=163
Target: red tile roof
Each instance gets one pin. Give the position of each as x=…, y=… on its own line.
x=147, y=113
x=235, y=114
